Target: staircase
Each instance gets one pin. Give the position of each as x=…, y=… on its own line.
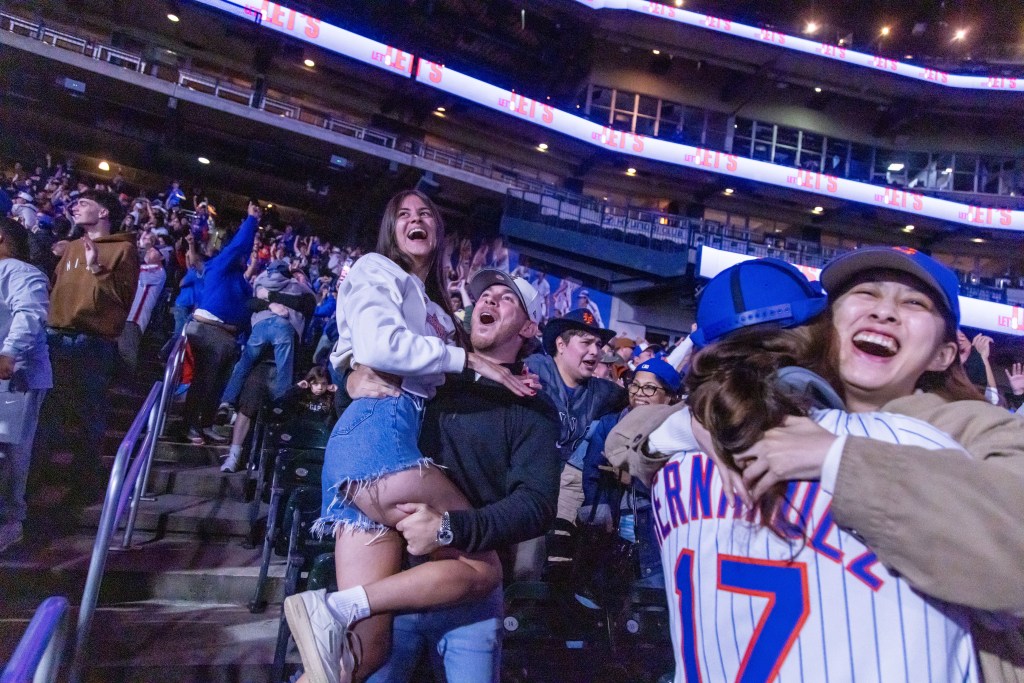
x=173, y=607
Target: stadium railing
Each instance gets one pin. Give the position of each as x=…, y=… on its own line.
x=39, y=654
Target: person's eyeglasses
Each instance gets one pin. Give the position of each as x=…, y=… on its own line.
x=646, y=390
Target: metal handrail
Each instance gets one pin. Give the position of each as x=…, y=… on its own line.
x=128, y=479
x=157, y=421
x=109, y=518
x=41, y=649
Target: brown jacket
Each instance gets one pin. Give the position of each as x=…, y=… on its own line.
x=95, y=304
x=952, y=526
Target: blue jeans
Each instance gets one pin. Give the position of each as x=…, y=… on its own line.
x=74, y=414
x=278, y=333
x=464, y=642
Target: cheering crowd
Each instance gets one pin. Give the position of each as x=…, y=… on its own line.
x=504, y=431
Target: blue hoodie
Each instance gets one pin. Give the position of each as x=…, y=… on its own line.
x=225, y=291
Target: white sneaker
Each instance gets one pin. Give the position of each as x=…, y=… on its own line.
x=10, y=534
x=323, y=643
x=232, y=464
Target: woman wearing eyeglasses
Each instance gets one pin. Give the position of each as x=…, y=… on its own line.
x=606, y=506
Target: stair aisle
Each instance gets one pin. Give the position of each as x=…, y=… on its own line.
x=174, y=606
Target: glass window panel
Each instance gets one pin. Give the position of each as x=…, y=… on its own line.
x=836, y=152
x=765, y=131
x=600, y=96
x=860, y=161
x=644, y=126
x=623, y=121
x=810, y=151
x=787, y=137
x=671, y=113
x=716, y=125
x=647, y=106
x=625, y=101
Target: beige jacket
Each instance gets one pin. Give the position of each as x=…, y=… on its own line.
x=952, y=526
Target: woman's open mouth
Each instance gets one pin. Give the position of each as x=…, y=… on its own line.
x=875, y=344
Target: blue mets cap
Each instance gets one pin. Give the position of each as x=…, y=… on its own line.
x=936, y=276
x=753, y=292
x=665, y=373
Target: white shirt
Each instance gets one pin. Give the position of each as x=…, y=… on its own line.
x=745, y=602
x=386, y=322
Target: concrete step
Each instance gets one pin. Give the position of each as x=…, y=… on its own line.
x=177, y=567
x=206, y=481
x=179, y=641
x=181, y=513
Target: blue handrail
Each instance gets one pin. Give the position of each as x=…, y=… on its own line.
x=38, y=655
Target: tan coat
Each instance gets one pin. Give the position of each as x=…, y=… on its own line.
x=952, y=526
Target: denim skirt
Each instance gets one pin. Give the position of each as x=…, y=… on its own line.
x=373, y=438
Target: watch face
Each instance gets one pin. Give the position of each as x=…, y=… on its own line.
x=445, y=537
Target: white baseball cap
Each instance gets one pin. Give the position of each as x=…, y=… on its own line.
x=527, y=293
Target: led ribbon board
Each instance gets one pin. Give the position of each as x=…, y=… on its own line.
x=788, y=42
x=328, y=37
x=982, y=315
x=311, y=30
x=541, y=114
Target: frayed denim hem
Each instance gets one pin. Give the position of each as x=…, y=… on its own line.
x=343, y=513
x=327, y=526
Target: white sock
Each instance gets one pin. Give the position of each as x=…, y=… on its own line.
x=235, y=451
x=349, y=606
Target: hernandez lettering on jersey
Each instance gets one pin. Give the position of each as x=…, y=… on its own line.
x=746, y=605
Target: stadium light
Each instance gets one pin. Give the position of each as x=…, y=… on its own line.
x=886, y=30
x=811, y=28
x=960, y=34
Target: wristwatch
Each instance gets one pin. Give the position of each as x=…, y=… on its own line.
x=444, y=534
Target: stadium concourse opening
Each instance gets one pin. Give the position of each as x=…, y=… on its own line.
x=356, y=341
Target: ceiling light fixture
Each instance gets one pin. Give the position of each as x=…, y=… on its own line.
x=909, y=228
x=811, y=28
x=439, y=114
x=104, y=166
x=173, y=17
x=630, y=171
x=543, y=146
x=895, y=167
x=441, y=109
x=818, y=209
x=657, y=52
x=977, y=240
x=948, y=170
x=729, y=190
x=817, y=90
x=309, y=62
x=204, y=161
x=886, y=30
x=679, y=3
x=960, y=34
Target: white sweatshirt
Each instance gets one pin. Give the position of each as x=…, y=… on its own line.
x=386, y=322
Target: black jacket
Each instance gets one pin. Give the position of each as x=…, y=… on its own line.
x=500, y=451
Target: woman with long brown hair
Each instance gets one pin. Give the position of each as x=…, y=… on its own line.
x=393, y=316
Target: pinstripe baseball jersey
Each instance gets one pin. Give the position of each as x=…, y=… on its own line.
x=747, y=605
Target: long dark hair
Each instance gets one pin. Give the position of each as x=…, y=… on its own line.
x=732, y=393
x=387, y=245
